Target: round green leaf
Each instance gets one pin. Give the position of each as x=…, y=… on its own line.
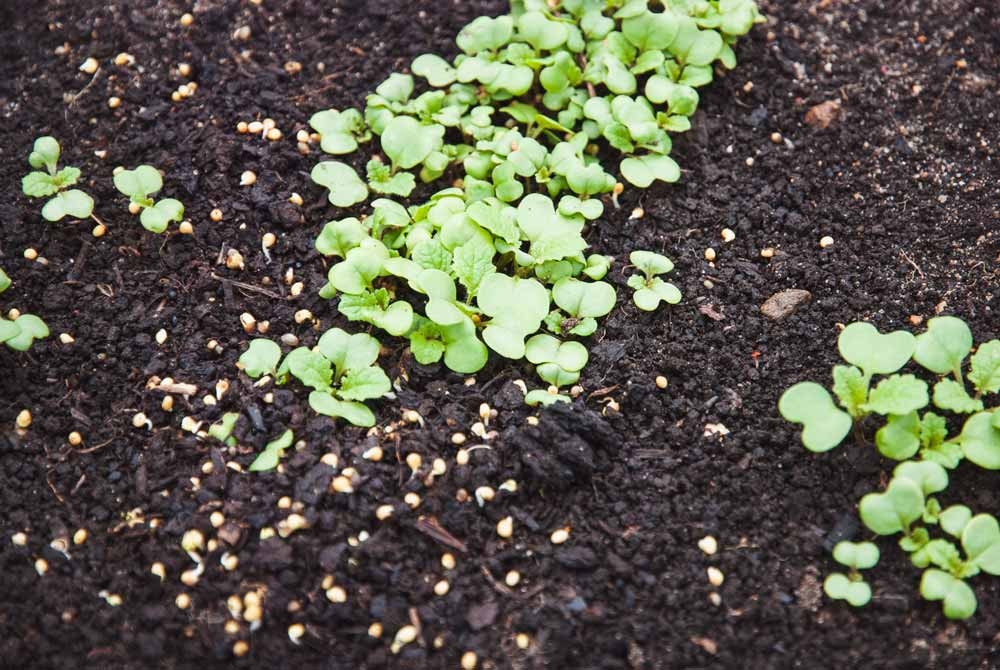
x=959, y=600
x=899, y=438
x=347, y=351
x=437, y=71
x=944, y=345
x=139, y=183
x=339, y=237
x=893, y=511
x=29, y=328
x=857, y=555
x=980, y=440
x=651, y=31
x=74, y=203
x=651, y=263
x=981, y=542
x=862, y=345
x=45, y=153
x=156, y=218
x=407, y=142
x=929, y=476
x=353, y=412
x=583, y=299
x=346, y=188
x=838, y=587
x=824, y=425
x=644, y=170
x=260, y=358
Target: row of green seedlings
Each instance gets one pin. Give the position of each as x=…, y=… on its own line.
x=50, y=181
x=522, y=113
x=919, y=438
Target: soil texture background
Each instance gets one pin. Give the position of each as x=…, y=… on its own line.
x=905, y=180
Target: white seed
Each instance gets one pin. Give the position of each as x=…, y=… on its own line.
x=139, y=420
x=186, y=20
x=295, y=632
x=559, y=536
x=522, y=640
x=167, y=404
x=728, y=235
x=234, y=260
x=510, y=486
x=513, y=578
x=442, y=588
x=484, y=494
x=404, y=636
x=412, y=416
x=19, y=539
x=248, y=322
x=330, y=459
x=336, y=594
x=776, y=138
x=75, y=439
x=30, y=254
x=134, y=208
x=242, y=33
x=13, y=314
x=89, y=66
x=826, y=241
x=190, y=577
x=159, y=569
x=274, y=135
x=373, y=454
x=412, y=499
x=114, y=102
x=80, y=536
x=767, y=252
x=217, y=518
x=469, y=660
x=505, y=527
x=439, y=467
x=342, y=484
x=124, y=59
x=661, y=382
x=269, y=240
x=708, y=544
x=99, y=230
x=303, y=315
x=375, y=630
x=184, y=70
x=458, y=438
x=256, y=127
x=41, y=566
x=161, y=336
x=750, y=162
x=66, y=338
x=295, y=199
x=248, y=178
x=715, y=576
x=414, y=460
x=23, y=419
x=637, y=213
x=383, y=512
x=710, y=254
x=193, y=540
x=462, y=457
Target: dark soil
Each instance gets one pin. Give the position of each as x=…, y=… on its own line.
x=906, y=182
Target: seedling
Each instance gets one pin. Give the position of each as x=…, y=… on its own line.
x=896, y=403
x=140, y=185
x=559, y=363
x=269, y=458
x=54, y=182
x=650, y=290
x=852, y=587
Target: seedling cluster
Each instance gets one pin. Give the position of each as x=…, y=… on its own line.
x=522, y=112
x=55, y=182
x=908, y=432
x=20, y=330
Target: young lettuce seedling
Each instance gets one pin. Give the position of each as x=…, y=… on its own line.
x=852, y=587
x=651, y=290
x=139, y=185
x=20, y=333
x=54, y=181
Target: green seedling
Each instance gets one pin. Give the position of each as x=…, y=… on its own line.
x=852, y=587
x=54, y=182
x=20, y=333
x=544, y=398
x=583, y=302
x=517, y=307
x=650, y=290
x=558, y=363
x=140, y=185
x=340, y=132
x=345, y=187
x=269, y=458
x=222, y=430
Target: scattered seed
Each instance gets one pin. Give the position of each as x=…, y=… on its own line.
x=75, y=439
x=186, y=20
x=404, y=636
x=242, y=33
x=439, y=467
x=715, y=598
x=99, y=230
x=458, y=438
x=248, y=322
x=134, y=208
x=23, y=418
x=710, y=254
x=383, y=512
x=708, y=544
x=505, y=527
x=295, y=199
x=256, y=127
x=826, y=241
x=375, y=630
x=302, y=316
x=183, y=600
x=776, y=138
x=559, y=536
x=767, y=252
x=513, y=578
x=114, y=102
x=89, y=66
x=30, y=254
x=469, y=660
x=522, y=640
x=184, y=70
x=159, y=570
x=661, y=382
x=41, y=566
x=240, y=648
x=336, y=594
x=750, y=162
x=248, y=178
x=637, y=213
x=295, y=632
x=80, y=536
x=342, y=484
x=19, y=539
x=715, y=576
x=728, y=235
x=274, y=135
x=442, y=588
x=448, y=561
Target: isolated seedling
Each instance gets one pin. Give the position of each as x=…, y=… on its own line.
x=559, y=363
x=140, y=185
x=269, y=458
x=852, y=587
x=649, y=289
x=20, y=333
x=54, y=182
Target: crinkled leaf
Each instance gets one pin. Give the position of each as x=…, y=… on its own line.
x=311, y=368
x=38, y=185
x=898, y=394
x=431, y=254
x=985, y=367
x=824, y=425
x=851, y=388
x=496, y=217
x=473, y=263
x=952, y=396
x=348, y=352
x=364, y=384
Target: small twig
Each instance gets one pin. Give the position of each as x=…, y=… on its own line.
x=72, y=101
x=909, y=260
x=248, y=287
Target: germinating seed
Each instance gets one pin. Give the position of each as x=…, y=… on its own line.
x=269, y=240
x=414, y=460
x=728, y=235
x=383, y=512
x=374, y=454
x=715, y=576
x=404, y=636
x=186, y=19
x=412, y=499
x=826, y=241
x=295, y=632
x=295, y=199
x=23, y=419
x=89, y=66
x=505, y=527
x=159, y=570
x=248, y=178
x=41, y=566
x=297, y=288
